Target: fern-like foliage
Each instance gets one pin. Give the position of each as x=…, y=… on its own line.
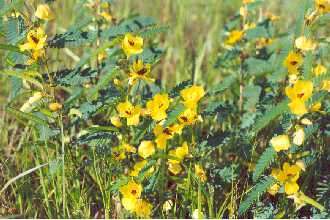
x=264, y=161
x=258, y=190
x=71, y=39
x=72, y=77
x=270, y=115
x=182, y=85
x=173, y=114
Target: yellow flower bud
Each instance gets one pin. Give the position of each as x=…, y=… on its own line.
x=115, y=120
x=44, y=12
x=55, y=106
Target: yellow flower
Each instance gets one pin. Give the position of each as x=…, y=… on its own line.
x=36, y=40
x=200, y=173
x=115, y=120
x=131, y=190
x=179, y=153
x=249, y=26
x=182, y=152
x=197, y=214
x=305, y=44
x=192, y=95
x=118, y=153
x=234, y=36
x=168, y=204
x=106, y=15
x=322, y=6
x=319, y=70
x=298, y=107
x=293, y=61
x=143, y=209
x=31, y=102
x=55, y=106
x=164, y=134
x=141, y=71
x=263, y=42
x=157, y=106
x=174, y=168
x=130, y=112
x=44, y=12
x=326, y=85
x=299, y=136
x=146, y=149
x=280, y=142
x=274, y=189
x=288, y=176
x=132, y=44
x=129, y=203
x=188, y=117
x=302, y=90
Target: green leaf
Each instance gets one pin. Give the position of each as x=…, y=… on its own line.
x=225, y=84
x=173, y=115
x=257, y=32
x=10, y=6
x=264, y=161
x=177, y=89
x=26, y=116
x=258, y=190
x=270, y=115
x=29, y=76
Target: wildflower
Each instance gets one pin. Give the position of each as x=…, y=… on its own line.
x=164, y=134
x=44, y=12
x=249, y=26
x=319, y=70
x=293, y=61
x=167, y=206
x=325, y=85
x=234, y=37
x=118, y=153
x=132, y=44
x=106, y=15
x=274, y=189
x=306, y=121
x=192, y=95
x=30, y=104
x=141, y=71
x=263, y=42
x=200, y=173
x=322, y=6
x=157, y=106
x=129, y=203
x=301, y=90
x=305, y=44
x=188, y=117
x=197, y=214
x=179, y=153
x=130, y=112
x=174, y=168
x=280, y=142
x=131, y=190
x=55, y=106
x=288, y=176
x=298, y=107
x=146, y=149
x=36, y=40
x=143, y=208
x=115, y=120
x=299, y=136
x=293, y=78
